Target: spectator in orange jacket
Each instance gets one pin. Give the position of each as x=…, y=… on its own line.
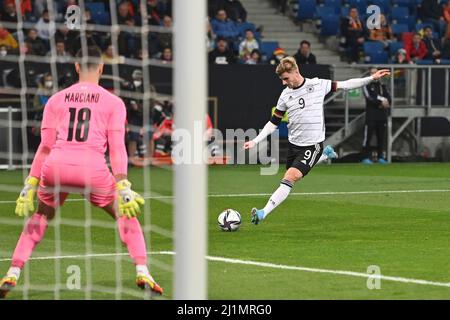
x=416, y=49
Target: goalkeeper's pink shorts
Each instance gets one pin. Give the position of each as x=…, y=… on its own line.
x=96, y=183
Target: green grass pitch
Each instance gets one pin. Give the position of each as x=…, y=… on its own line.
x=333, y=226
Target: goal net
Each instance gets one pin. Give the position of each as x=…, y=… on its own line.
x=82, y=255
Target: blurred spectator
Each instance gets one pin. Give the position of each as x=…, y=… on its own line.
x=44, y=91
x=155, y=11
x=247, y=45
x=165, y=38
x=446, y=15
x=277, y=55
x=222, y=54
x=255, y=57
x=416, y=49
x=126, y=40
x=109, y=57
x=433, y=45
x=352, y=29
x=223, y=27
x=25, y=7
x=9, y=13
x=135, y=117
x=62, y=56
x=401, y=57
x=3, y=51
x=432, y=13
x=378, y=101
x=281, y=6
x=166, y=55
x=214, y=6
x=68, y=37
x=34, y=44
x=7, y=40
x=43, y=27
x=210, y=37
x=383, y=34
x=235, y=10
x=123, y=14
x=304, y=55
x=39, y=7
x=446, y=47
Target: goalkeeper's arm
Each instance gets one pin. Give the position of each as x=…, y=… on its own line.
x=129, y=201
x=25, y=201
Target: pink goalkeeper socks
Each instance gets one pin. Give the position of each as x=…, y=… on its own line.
x=131, y=234
x=32, y=234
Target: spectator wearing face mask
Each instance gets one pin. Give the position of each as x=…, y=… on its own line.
x=278, y=54
x=7, y=41
x=45, y=87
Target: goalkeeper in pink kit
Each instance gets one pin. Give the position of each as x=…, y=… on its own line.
x=78, y=124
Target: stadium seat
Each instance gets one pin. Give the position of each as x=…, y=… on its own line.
x=424, y=62
x=399, y=13
x=330, y=25
x=268, y=47
x=395, y=46
x=374, y=52
x=385, y=5
x=95, y=6
x=344, y=11
x=421, y=25
x=322, y=11
x=306, y=9
x=399, y=28
x=360, y=4
x=377, y=57
x=373, y=46
x=244, y=26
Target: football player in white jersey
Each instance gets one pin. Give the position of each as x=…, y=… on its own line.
x=303, y=100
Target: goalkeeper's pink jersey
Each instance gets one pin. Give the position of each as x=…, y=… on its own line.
x=83, y=115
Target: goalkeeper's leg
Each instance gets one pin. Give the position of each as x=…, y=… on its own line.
x=131, y=234
x=32, y=234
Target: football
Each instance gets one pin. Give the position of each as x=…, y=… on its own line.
x=229, y=220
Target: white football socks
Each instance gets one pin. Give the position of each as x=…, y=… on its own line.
x=322, y=158
x=13, y=271
x=278, y=196
x=142, y=270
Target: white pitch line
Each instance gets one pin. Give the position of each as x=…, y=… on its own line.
x=326, y=193
x=264, y=265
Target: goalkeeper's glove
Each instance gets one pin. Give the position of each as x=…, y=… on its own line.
x=129, y=200
x=25, y=202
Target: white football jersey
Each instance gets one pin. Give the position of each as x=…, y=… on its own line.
x=304, y=106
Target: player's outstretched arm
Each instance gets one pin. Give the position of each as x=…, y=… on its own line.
x=268, y=129
x=361, y=82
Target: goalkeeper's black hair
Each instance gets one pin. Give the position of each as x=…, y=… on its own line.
x=94, y=55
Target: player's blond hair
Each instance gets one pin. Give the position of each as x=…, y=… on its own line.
x=287, y=64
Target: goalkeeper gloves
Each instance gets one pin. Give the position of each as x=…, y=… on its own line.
x=25, y=202
x=129, y=200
